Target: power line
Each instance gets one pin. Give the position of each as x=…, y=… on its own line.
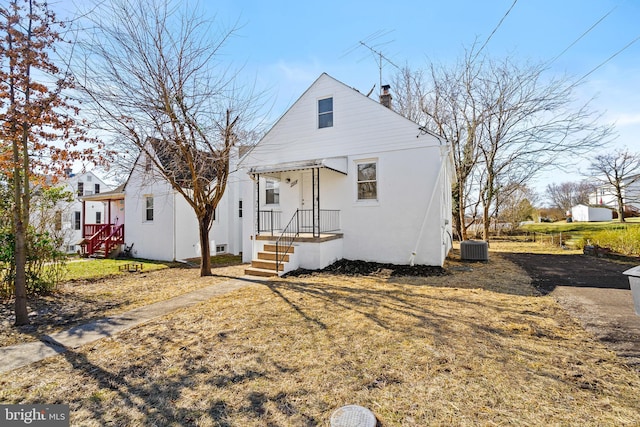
x=496, y=28
x=607, y=60
x=581, y=36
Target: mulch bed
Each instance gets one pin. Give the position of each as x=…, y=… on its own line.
x=364, y=268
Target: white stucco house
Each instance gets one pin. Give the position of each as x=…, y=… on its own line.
x=342, y=176
x=161, y=225
x=588, y=213
x=69, y=216
x=605, y=195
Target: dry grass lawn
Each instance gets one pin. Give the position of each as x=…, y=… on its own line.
x=80, y=301
x=476, y=347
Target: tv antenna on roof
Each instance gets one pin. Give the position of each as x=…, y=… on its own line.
x=375, y=50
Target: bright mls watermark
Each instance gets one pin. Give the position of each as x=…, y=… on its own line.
x=34, y=415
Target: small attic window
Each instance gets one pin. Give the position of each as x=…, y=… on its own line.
x=325, y=113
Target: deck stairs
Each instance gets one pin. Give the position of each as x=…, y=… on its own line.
x=265, y=264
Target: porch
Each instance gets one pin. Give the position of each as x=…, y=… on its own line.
x=291, y=229
x=302, y=243
x=306, y=251
x=101, y=240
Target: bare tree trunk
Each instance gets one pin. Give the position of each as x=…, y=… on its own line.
x=461, y=218
x=620, y=207
x=204, y=226
x=20, y=254
x=486, y=222
x=205, y=251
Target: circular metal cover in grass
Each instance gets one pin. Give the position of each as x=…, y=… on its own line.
x=353, y=416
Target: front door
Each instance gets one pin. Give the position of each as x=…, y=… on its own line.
x=310, y=215
x=306, y=191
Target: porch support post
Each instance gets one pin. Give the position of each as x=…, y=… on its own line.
x=315, y=189
x=84, y=217
x=109, y=213
x=257, y=203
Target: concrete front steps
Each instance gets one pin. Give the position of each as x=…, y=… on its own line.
x=265, y=264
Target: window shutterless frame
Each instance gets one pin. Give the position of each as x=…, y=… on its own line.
x=367, y=181
x=325, y=113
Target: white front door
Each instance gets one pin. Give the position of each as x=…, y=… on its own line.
x=306, y=191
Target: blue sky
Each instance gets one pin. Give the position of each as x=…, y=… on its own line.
x=286, y=45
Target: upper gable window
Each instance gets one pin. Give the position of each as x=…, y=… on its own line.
x=325, y=113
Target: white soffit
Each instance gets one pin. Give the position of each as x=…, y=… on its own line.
x=337, y=164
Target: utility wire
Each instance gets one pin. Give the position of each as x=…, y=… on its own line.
x=495, y=29
x=583, y=34
x=607, y=60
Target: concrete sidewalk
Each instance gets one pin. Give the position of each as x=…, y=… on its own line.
x=19, y=355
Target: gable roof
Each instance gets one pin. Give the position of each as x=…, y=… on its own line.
x=360, y=125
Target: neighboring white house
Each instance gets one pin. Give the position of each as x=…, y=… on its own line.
x=587, y=213
x=161, y=225
x=355, y=179
x=69, y=216
x=606, y=195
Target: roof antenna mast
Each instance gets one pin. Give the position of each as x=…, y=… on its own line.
x=375, y=50
x=379, y=57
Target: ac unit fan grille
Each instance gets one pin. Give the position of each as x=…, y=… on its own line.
x=472, y=250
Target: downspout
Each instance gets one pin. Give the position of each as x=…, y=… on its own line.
x=426, y=214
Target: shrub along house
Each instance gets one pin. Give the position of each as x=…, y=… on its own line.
x=343, y=176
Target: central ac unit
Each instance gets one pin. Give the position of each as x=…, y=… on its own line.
x=473, y=250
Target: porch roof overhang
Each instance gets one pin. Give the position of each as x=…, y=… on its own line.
x=117, y=194
x=336, y=164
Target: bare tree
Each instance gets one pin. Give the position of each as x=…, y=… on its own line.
x=408, y=86
x=618, y=171
x=568, y=194
x=515, y=205
x=450, y=110
x=506, y=122
x=40, y=130
x=530, y=123
x=154, y=70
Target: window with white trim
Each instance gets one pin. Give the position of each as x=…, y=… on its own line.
x=325, y=113
x=367, y=181
x=148, y=215
x=272, y=192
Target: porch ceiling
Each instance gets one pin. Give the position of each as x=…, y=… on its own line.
x=336, y=164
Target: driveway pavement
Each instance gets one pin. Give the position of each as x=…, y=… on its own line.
x=595, y=292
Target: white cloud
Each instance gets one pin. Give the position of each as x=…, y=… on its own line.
x=299, y=72
x=626, y=119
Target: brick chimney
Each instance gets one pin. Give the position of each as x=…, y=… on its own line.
x=385, y=97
